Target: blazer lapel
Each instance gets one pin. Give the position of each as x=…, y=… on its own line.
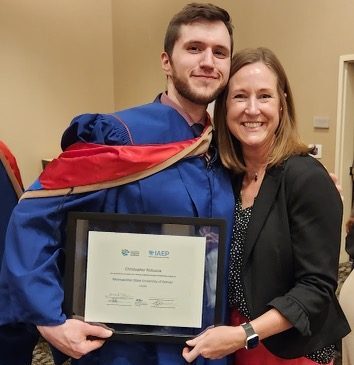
x=262, y=205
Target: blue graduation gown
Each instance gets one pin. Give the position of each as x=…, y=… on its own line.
x=31, y=286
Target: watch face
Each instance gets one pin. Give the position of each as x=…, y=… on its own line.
x=252, y=342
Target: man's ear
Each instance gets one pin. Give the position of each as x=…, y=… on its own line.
x=166, y=63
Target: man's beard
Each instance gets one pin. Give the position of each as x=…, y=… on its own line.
x=185, y=90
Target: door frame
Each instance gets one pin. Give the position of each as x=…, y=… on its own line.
x=340, y=167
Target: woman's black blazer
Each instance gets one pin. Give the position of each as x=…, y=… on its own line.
x=291, y=255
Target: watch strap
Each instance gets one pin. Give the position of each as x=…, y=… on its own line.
x=252, y=339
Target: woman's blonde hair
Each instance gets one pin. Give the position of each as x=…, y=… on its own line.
x=286, y=142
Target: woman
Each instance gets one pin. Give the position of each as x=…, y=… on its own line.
x=347, y=293
x=285, y=249
x=346, y=300
x=349, y=239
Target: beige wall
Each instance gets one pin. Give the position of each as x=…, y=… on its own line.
x=308, y=36
x=56, y=62
x=61, y=58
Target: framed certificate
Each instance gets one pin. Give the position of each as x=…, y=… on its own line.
x=148, y=278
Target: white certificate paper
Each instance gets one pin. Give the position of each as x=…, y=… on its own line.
x=145, y=279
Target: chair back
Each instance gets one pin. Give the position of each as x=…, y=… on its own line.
x=10, y=190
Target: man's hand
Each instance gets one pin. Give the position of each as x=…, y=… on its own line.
x=74, y=337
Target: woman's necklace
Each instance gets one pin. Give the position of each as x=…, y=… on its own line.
x=250, y=186
x=255, y=176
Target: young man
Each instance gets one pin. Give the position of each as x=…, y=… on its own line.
x=196, y=61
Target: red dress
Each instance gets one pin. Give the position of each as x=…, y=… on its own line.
x=260, y=355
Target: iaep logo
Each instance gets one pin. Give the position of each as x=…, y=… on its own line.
x=159, y=253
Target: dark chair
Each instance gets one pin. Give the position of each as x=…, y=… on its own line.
x=10, y=191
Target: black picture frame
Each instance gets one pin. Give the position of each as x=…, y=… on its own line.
x=79, y=224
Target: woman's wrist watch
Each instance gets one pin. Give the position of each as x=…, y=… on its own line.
x=252, y=339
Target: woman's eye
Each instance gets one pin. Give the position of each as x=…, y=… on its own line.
x=239, y=96
x=265, y=97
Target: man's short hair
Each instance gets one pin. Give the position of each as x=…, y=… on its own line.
x=192, y=13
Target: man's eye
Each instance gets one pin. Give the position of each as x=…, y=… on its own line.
x=219, y=54
x=193, y=49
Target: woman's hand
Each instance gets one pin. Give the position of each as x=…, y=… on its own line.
x=215, y=343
